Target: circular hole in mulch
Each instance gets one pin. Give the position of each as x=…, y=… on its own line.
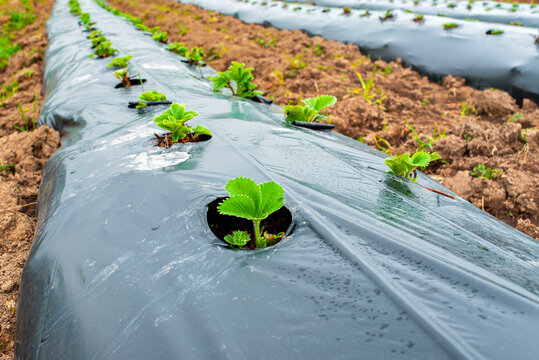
x=165, y=140
x=222, y=225
x=133, y=82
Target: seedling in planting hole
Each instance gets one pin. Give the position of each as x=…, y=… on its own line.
x=104, y=50
x=515, y=23
x=494, y=32
x=310, y=110
x=74, y=7
x=174, y=120
x=85, y=19
x=452, y=25
x=297, y=8
x=365, y=14
x=195, y=56
x=452, y=5
x=346, y=11
x=252, y=201
x=388, y=15
x=241, y=77
x=95, y=34
x=178, y=48
x=160, y=36
x=123, y=76
x=150, y=96
x=485, y=172
x=98, y=40
x=238, y=239
x=6, y=167
x=120, y=62
x=406, y=166
x=419, y=18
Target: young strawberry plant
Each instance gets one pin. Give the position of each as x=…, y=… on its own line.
x=254, y=202
x=238, y=239
x=174, y=120
x=95, y=34
x=120, y=62
x=406, y=166
x=448, y=26
x=419, y=18
x=103, y=50
x=494, y=32
x=195, y=56
x=485, y=172
x=310, y=110
x=160, y=36
x=178, y=48
x=238, y=79
x=388, y=15
x=150, y=96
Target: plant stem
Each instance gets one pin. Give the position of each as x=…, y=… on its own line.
x=259, y=240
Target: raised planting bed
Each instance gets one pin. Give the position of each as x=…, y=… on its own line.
x=377, y=265
x=486, y=11
x=428, y=46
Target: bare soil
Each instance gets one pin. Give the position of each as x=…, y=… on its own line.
x=290, y=66
x=28, y=151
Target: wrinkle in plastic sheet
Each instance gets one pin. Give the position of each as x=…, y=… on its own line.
x=124, y=265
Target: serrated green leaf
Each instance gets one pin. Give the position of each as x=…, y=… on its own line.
x=272, y=198
x=244, y=186
x=420, y=159
x=201, y=130
x=239, y=205
x=324, y=101
x=238, y=238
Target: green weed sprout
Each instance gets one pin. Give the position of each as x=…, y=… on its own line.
x=241, y=76
x=451, y=25
x=466, y=110
x=367, y=87
x=252, y=201
x=195, y=56
x=11, y=166
x=430, y=140
x=485, y=172
x=310, y=110
x=160, y=36
x=174, y=120
x=238, y=239
x=153, y=95
x=178, y=48
x=388, y=15
x=120, y=62
x=406, y=166
x=26, y=128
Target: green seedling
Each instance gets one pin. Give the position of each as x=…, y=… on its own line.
x=425, y=101
x=310, y=110
x=367, y=89
x=423, y=145
x=406, y=166
x=178, y=48
x=318, y=50
x=346, y=11
x=8, y=91
x=515, y=117
x=419, y=18
x=365, y=14
x=150, y=96
x=85, y=19
x=6, y=167
x=174, y=120
x=26, y=128
x=388, y=15
x=467, y=110
x=494, y=32
x=295, y=65
x=104, y=50
x=452, y=25
x=160, y=36
x=451, y=5
x=252, y=201
x=195, y=56
x=238, y=239
x=238, y=79
x=297, y=8
x=515, y=23
x=74, y=7
x=95, y=34
x=119, y=62
x=485, y=172
x=522, y=135
x=264, y=43
x=382, y=144
x=98, y=40
x=123, y=76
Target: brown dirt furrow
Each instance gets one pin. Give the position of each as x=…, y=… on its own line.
x=28, y=151
x=468, y=126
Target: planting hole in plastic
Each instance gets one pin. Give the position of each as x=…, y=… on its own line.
x=134, y=82
x=165, y=140
x=222, y=225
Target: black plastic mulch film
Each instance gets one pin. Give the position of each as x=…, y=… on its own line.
x=509, y=61
x=124, y=265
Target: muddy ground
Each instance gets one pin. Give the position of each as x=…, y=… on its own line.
x=466, y=126
x=289, y=66
x=27, y=151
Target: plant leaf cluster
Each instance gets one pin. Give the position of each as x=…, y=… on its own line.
x=406, y=166
x=195, y=56
x=153, y=95
x=485, y=172
x=309, y=111
x=239, y=76
x=174, y=120
x=120, y=62
x=252, y=201
x=178, y=48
